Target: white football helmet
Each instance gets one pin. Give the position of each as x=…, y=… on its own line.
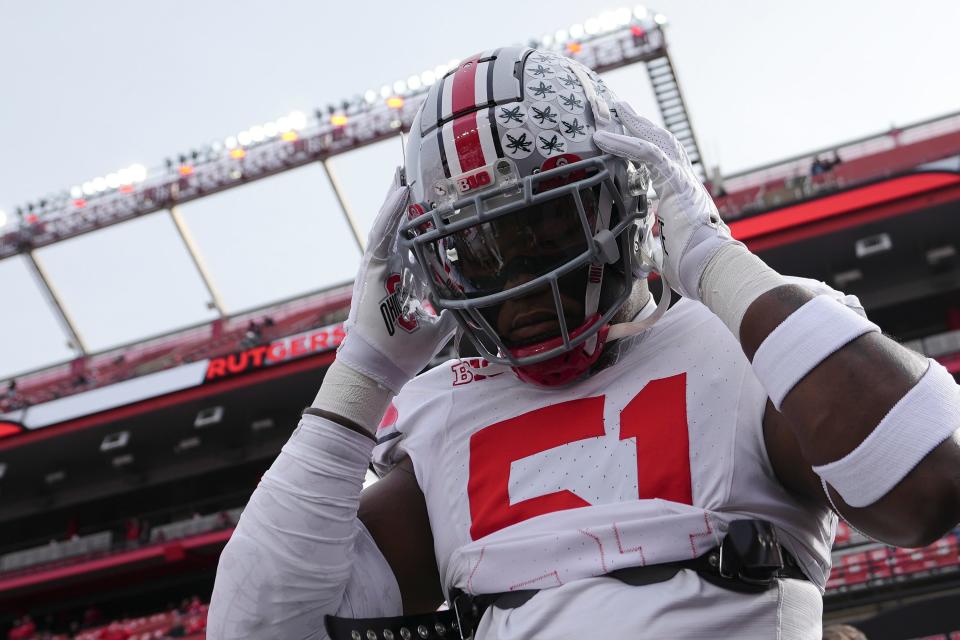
x=518, y=223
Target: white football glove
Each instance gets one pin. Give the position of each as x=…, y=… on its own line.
x=691, y=231
x=390, y=337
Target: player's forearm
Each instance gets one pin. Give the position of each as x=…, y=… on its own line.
x=289, y=560
x=836, y=379
x=840, y=402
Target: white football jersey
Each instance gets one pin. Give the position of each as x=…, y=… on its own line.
x=646, y=461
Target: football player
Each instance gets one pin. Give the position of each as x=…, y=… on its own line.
x=604, y=467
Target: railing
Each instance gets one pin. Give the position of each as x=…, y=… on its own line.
x=799, y=166
x=56, y=551
x=863, y=160
x=104, y=543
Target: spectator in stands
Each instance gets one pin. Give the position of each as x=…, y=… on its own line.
x=23, y=629
x=91, y=617
x=73, y=529
x=252, y=336
x=831, y=163
x=132, y=532
x=12, y=389
x=817, y=167
x=223, y=520
x=842, y=632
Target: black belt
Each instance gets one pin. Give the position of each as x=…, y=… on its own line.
x=750, y=560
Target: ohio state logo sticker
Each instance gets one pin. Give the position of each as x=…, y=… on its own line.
x=391, y=307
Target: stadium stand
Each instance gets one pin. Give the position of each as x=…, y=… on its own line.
x=863, y=160
x=216, y=338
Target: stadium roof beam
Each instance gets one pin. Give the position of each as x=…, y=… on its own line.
x=76, y=342
x=610, y=41
x=344, y=206
x=194, y=250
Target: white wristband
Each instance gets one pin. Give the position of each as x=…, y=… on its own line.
x=353, y=395
x=926, y=416
x=802, y=341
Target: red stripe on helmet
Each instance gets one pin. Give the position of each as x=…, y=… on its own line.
x=463, y=93
x=466, y=136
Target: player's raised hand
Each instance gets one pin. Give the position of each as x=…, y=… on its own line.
x=691, y=230
x=391, y=336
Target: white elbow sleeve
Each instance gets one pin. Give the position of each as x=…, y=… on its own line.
x=295, y=549
x=923, y=418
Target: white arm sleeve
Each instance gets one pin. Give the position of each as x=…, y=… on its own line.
x=299, y=552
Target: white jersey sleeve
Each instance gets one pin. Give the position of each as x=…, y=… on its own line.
x=299, y=552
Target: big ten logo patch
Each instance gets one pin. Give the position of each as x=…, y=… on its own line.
x=467, y=370
x=391, y=307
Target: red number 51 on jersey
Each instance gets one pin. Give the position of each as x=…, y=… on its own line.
x=656, y=417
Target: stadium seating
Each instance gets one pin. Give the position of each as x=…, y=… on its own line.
x=218, y=338
x=862, y=161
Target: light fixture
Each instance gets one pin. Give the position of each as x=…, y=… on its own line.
x=428, y=77
x=370, y=96
x=186, y=444
x=3, y=218
x=113, y=441
x=660, y=19
x=298, y=120
x=283, y=124
x=576, y=31
x=399, y=87
x=208, y=416
x=122, y=461
x=843, y=279
x=395, y=102
x=607, y=20
x=256, y=133
x=939, y=258
x=872, y=245
x=76, y=192
x=591, y=26
x=289, y=136
x=262, y=424
x=244, y=138
x=88, y=188
x=414, y=82
x=338, y=119
x=640, y=12
x=385, y=91
x=238, y=153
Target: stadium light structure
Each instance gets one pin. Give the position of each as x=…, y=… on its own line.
x=603, y=42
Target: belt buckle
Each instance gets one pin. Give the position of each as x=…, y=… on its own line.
x=465, y=612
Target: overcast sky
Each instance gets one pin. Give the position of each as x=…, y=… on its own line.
x=89, y=87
